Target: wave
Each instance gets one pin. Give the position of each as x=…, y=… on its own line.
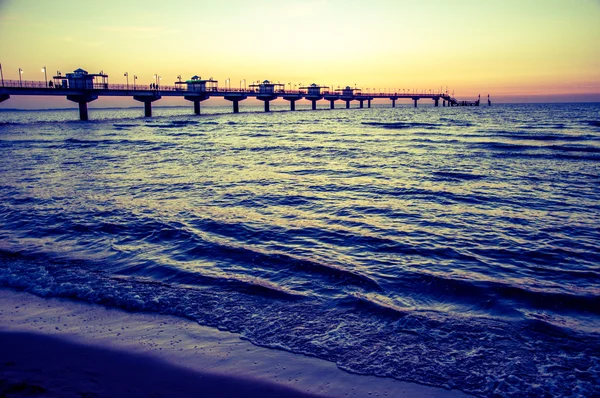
x=88, y=143
x=554, y=126
x=402, y=125
x=172, y=276
x=373, y=303
x=319, y=132
x=456, y=122
x=281, y=262
x=549, y=137
x=124, y=126
x=594, y=123
x=456, y=176
x=575, y=148
x=175, y=124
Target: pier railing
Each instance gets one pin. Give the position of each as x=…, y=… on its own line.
x=179, y=88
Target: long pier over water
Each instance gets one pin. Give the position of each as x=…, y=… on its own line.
x=82, y=88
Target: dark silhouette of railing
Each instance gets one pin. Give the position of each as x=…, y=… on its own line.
x=179, y=88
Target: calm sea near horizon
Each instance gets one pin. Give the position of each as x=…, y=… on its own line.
x=454, y=247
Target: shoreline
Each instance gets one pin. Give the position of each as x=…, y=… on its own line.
x=64, y=347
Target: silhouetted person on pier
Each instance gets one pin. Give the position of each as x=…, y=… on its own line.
x=50, y=84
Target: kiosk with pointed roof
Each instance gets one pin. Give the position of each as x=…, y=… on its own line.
x=347, y=94
x=197, y=84
x=313, y=94
x=196, y=90
x=84, y=82
x=268, y=91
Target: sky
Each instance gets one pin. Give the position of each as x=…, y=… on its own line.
x=525, y=50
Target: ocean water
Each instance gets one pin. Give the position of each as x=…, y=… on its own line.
x=454, y=247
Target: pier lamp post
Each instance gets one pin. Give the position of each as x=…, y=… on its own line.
x=179, y=78
x=159, y=79
x=45, y=75
x=244, y=84
x=127, y=76
x=20, y=81
x=155, y=79
x=1, y=75
x=134, y=79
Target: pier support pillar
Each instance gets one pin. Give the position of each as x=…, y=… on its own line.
x=266, y=99
x=147, y=100
x=443, y=102
x=436, y=101
x=361, y=103
x=332, y=104
x=368, y=103
x=292, y=98
x=415, y=99
x=83, y=111
x=314, y=105
x=347, y=104
x=393, y=103
x=236, y=101
x=82, y=101
x=196, y=99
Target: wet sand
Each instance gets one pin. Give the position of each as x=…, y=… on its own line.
x=63, y=348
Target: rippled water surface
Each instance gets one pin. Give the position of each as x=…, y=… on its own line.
x=457, y=247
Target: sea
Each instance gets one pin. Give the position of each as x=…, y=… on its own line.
x=456, y=247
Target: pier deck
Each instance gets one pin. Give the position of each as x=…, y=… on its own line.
x=150, y=93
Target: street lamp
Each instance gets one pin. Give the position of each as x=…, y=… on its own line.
x=20, y=81
x=179, y=78
x=134, y=79
x=127, y=76
x=45, y=75
x=155, y=78
x=227, y=83
x=1, y=75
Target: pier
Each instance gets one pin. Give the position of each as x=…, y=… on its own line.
x=82, y=88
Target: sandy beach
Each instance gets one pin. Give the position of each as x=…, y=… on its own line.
x=62, y=348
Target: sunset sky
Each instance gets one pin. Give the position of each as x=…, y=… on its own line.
x=513, y=49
